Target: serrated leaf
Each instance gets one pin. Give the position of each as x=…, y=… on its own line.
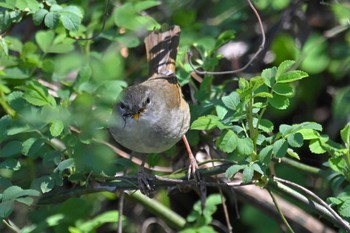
x=309, y=134
x=295, y=140
x=51, y=19
x=269, y=76
x=10, y=149
x=71, y=21
x=279, y=102
x=283, y=89
x=231, y=101
x=266, y=154
x=344, y=209
x=284, y=67
x=247, y=174
x=291, y=76
x=334, y=200
x=37, y=95
x=206, y=123
x=280, y=148
x=56, y=128
x=266, y=125
x=231, y=171
x=245, y=146
x=311, y=125
x=263, y=95
x=316, y=147
x=39, y=15
x=227, y=142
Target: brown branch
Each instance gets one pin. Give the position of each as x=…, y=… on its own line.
x=341, y=221
x=261, y=47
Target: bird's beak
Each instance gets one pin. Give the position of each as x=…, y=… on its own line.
x=136, y=116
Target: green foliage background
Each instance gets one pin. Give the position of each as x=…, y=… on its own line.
x=64, y=63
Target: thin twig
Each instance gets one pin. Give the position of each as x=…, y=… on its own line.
x=261, y=47
x=280, y=212
x=105, y=15
x=121, y=208
x=341, y=221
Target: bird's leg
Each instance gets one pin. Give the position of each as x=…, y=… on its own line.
x=143, y=180
x=192, y=169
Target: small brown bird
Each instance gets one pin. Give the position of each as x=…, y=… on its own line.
x=153, y=115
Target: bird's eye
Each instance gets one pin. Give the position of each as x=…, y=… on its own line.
x=122, y=106
x=148, y=100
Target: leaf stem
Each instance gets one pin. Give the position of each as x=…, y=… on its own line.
x=280, y=212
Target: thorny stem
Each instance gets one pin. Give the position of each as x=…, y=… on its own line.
x=262, y=45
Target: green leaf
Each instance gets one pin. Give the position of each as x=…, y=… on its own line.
x=14, y=192
x=37, y=95
x=3, y=46
x=345, y=134
x=247, y=174
x=51, y=19
x=316, y=147
x=10, y=164
x=311, y=125
x=280, y=148
x=266, y=125
x=206, y=123
x=44, y=183
x=231, y=101
x=15, y=73
x=269, y=76
x=31, y=146
x=144, y=5
x=56, y=128
x=10, y=149
x=295, y=140
x=283, y=89
x=284, y=67
x=6, y=208
x=25, y=5
x=71, y=17
x=309, y=134
x=39, y=15
x=227, y=142
x=93, y=224
x=344, y=209
x=128, y=16
x=266, y=154
x=65, y=164
x=231, y=171
x=279, y=102
x=263, y=95
x=291, y=76
x=44, y=39
x=293, y=154
x=245, y=146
